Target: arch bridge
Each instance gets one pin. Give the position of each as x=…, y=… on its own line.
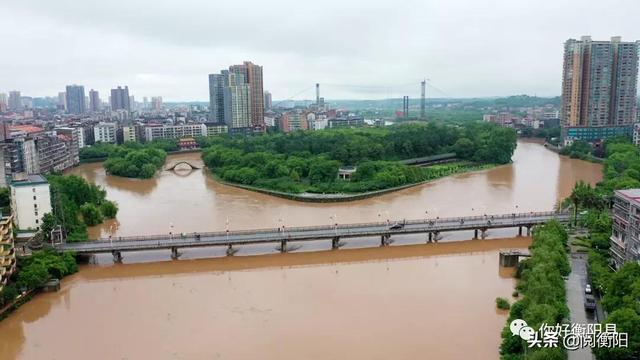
x=173, y=166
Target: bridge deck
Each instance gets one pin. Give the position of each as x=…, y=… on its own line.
x=223, y=238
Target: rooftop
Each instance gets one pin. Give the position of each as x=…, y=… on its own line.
x=30, y=180
x=29, y=129
x=631, y=194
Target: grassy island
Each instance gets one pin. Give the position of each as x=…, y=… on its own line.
x=309, y=161
x=132, y=159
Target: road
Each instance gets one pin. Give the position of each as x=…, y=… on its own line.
x=575, y=285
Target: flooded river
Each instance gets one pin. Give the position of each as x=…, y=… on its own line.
x=400, y=302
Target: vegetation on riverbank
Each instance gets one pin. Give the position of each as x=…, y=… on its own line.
x=542, y=290
x=131, y=159
x=309, y=161
x=76, y=204
x=35, y=270
x=620, y=290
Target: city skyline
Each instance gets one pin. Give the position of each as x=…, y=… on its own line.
x=462, y=46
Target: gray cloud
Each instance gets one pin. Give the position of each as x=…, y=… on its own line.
x=466, y=47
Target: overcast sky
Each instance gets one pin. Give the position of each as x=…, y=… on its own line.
x=356, y=49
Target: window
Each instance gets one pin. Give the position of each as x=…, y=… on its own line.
x=33, y=189
x=34, y=197
x=37, y=221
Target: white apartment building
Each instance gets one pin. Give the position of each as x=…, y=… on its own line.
x=30, y=200
x=128, y=133
x=105, y=132
x=214, y=129
x=174, y=131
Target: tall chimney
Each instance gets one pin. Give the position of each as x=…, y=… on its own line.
x=317, y=94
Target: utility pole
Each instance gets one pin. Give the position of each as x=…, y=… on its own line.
x=423, y=86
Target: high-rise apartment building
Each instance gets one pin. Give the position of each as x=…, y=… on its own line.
x=217, y=83
x=237, y=102
x=75, y=99
x=62, y=100
x=252, y=75
x=156, y=103
x=120, y=99
x=94, y=101
x=3, y=102
x=15, y=101
x=599, y=87
x=267, y=100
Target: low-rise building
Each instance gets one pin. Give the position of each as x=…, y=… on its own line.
x=346, y=121
x=625, y=237
x=30, y=200
x=174, y=131
x=293, y=121
x=105, y=132
x=188, y=144
x=215, y=129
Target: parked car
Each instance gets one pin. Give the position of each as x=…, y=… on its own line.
x=589, y=302
x=587, y=289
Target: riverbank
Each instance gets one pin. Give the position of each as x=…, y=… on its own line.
x=341, y=197
x=587, y=157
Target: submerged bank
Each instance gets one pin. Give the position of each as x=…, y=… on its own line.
x=341, y=197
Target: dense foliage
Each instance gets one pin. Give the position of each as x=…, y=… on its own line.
x=101, y=151
x=76, y=204
x=5, y=200
x=142, y=163
x=132, y=159
x=577, y=150
x=309, y=161
x=542, y=287
x=41, y=266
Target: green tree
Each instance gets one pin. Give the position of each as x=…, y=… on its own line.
x=627, y=321
x=48, y=224
x=109, y=209
x=91, y=214
x=33, y=276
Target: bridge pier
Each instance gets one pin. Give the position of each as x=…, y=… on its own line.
x=519, y=230
x=335, y=243
x=430, y=237
x=528, y=230
x=231, y=250
x=475, y=234
x=483, y=233
x=174, y=253
x=283, y=245
x=436, y=236
x=117, y=256
x=384, y=239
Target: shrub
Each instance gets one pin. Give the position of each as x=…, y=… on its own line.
x=502, y=303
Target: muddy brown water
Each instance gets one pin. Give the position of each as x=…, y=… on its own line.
x=400, y=302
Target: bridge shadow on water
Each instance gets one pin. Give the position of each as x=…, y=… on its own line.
x=156, y=263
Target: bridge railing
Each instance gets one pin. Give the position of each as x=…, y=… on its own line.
x=441, y=222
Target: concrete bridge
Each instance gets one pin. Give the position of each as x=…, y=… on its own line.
x=284, y=236
x=182, y=162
